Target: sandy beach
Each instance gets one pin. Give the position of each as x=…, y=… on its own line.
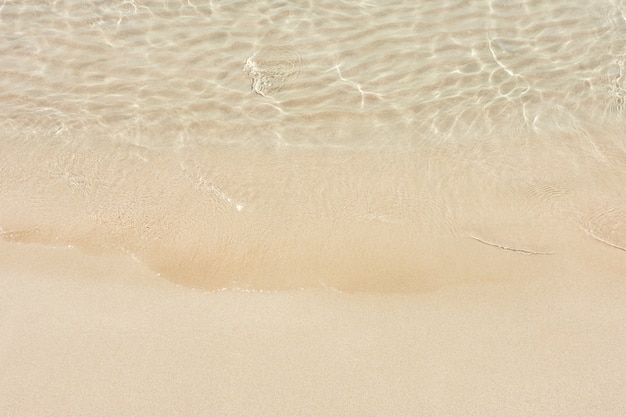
x=137, y=345
x=510, y=304
x=313, y=208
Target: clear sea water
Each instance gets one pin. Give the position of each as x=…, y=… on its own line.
x=263, y=138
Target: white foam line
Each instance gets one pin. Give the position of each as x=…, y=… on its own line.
x=215, y=190
x=524, y=251
x=591, y=234
x=209, y=187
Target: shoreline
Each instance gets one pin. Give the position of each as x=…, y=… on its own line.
x=224, y=217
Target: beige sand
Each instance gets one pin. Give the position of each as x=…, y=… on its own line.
x=496, y=291
x=77, y=343
x=512, y=305
x=281, y=219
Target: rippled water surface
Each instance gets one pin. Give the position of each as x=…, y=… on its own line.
x=306, y=143
x=323, y=72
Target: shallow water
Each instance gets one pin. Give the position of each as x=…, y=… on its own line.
x=365, y=146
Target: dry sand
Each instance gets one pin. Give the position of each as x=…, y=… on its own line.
x=78, y=343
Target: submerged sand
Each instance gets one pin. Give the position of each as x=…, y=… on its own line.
x=410, y=219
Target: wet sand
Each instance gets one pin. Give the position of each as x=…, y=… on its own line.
x=399, y=220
